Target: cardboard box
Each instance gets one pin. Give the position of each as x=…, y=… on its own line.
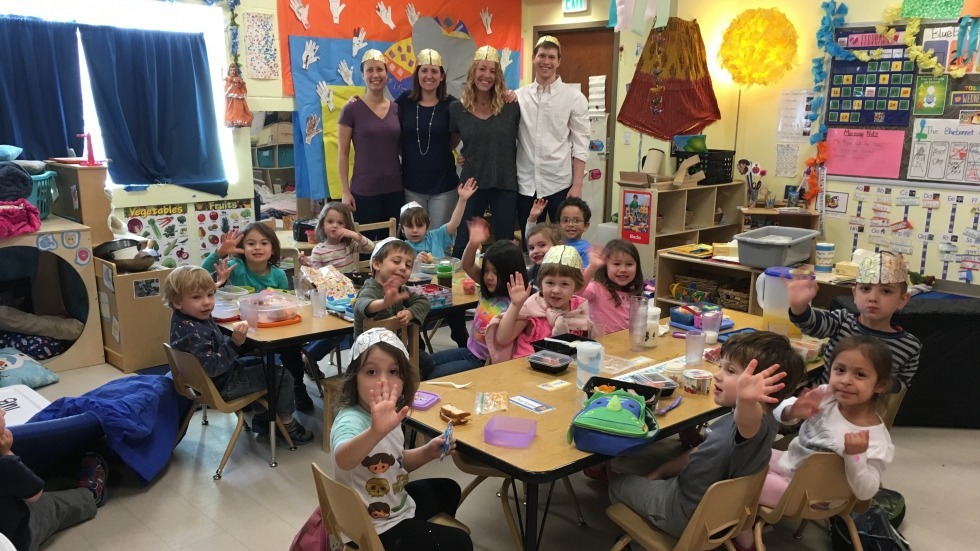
x=643, y=179
x=135, y=322
x=277, y=133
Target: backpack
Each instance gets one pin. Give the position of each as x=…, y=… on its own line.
x=613, y=423
x=313, y=536
x=874, y=530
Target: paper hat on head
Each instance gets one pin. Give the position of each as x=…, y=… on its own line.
x=409, y=205
x=373, y=55
x=487, y=53
x=548, y=38
x=382, y=243
x=429, y=57
x=883, y=267
x=563, y=254
x=373, y=336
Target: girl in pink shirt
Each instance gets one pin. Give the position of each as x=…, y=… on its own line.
x=617, y=276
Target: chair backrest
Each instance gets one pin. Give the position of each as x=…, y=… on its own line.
x=341, y=507
x=818, y=490
x=190, y=380
x=408, y=334
x=391, y=226
x=727, y=508
x=888, y=405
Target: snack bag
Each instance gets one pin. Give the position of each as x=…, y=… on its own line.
x=329, y=279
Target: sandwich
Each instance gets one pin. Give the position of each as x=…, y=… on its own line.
x=451, y=413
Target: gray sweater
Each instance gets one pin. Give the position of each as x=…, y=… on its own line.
x=371, y=291
x=489, y=146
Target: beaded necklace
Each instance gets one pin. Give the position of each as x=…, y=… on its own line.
x=418, y=136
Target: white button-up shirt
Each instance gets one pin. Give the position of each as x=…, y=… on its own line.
x=554, y=129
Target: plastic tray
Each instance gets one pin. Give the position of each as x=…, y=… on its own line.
x=655, y=380
x=650, y=394
x=755, y=250
x=509, y=432
x=726, y=323
x=558, y=347
x=722, y=337
x=549, y=361
x=339, y=305
x=424, y=400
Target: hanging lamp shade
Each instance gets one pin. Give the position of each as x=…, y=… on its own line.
x=759, y=47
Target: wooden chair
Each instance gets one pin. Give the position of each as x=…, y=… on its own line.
x=391, y=226
x=191, y=381
x=331, y=385
x=727, y=508
x=888, y=406
x=819, y=490
x=344, y=513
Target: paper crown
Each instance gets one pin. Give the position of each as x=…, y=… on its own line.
x=563, y=254
x=429, y=57
x=373, y=336
x=382, y=243
x=373, y=55
x=487, y=53
x=548, y=38
x=409, y=205
x=883, y=267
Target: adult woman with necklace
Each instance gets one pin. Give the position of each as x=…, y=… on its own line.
x=428, y=167
x=374, y=191
x=488, y=127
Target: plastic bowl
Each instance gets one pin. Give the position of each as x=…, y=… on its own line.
x=509, y=432
x=230, y=293
x=273, y=305
x=549, y=362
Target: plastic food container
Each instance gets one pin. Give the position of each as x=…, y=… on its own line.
x=549, y=362
x=230, y=293
x=808, y=350
x=559, y=347
x=775, y=246
x=650, y=394
x=225, y=311
x=655, y=380
x=273, y=305
x=509, y=432
x=697, y=381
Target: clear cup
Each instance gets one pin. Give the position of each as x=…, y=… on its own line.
x=250, y=315
x=711, y=325
x=300, y=286
x=638, y=323
x=588, y=361
x=318, y=299
x=598, y=332
x=694, y=348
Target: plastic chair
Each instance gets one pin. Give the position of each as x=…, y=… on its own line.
x=391, y=226
x=818, y=490
x=331, y=385
x=191, y=381
x=344, y=513
x=727, y=508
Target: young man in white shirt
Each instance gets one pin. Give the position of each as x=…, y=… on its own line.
x=553, y=138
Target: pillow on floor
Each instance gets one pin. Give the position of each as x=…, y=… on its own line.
x=17, y=368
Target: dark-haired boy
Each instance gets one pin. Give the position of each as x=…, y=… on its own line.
x=574, y=215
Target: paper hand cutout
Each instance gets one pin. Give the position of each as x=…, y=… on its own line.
x=486, y=16
x=312, y=127
x=504, y=59
x=358, y=43
x=309, y=54
x=301, y=11
x=326, y=95
x=385, y=14
x=412, y=15
x=346, y=72
x=335, y=8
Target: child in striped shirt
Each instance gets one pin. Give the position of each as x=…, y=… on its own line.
x=337, y=243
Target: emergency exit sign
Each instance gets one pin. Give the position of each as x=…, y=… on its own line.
x=575, y=6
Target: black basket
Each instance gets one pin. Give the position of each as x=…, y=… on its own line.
x=717, y=165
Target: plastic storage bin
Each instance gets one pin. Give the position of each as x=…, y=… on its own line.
x=717, y=165
x=273, y=305
x=285, y=156
x=509, y=432
x=775, y=246
x=42, y=194
x=264, y=156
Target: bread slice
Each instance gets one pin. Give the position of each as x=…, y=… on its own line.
x=449, y=412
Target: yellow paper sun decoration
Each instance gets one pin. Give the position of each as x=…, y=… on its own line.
x=759, y=46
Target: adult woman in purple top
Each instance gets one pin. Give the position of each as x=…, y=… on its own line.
x=374, y=191
x=428, y=166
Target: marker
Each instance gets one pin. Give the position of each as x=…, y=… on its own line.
x=679, y=335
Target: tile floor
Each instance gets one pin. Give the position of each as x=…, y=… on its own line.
x=259, y=508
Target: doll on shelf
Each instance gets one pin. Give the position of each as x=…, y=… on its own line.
x=237, y=114
x=968, y=33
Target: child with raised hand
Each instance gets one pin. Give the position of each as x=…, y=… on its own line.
x=501, y=260
x=436, y=242
x=385, y=295
x=189, y=291
x=540, y=238
x=617, y=276
x=737, y=444
x=554, y=310
x=338, y=244
x=368, y=447
x=881, y=290
x=574, y=215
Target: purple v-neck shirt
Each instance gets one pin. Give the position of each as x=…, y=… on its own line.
x=377, y=170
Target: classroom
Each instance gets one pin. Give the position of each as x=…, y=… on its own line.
x=808, y=168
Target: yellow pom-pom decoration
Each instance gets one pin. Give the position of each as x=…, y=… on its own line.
x=759, y=47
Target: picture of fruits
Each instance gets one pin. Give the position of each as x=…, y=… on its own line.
x=201, y=218
x=214, y=215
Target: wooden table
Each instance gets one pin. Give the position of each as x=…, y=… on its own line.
x=550, y=457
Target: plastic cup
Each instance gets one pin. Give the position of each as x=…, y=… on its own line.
x=319, y=301
x=694, y=348
x=598, y=332
x=711, y=325
x=588, y=360
x=250, y=315
x=638, y=323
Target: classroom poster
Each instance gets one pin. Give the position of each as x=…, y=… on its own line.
x=930, y=95
x=167, y=226
x=636, y=217
x=864, y=152
x=217, y=217
x=836, y=204
x=871, y=93
x=944, y=150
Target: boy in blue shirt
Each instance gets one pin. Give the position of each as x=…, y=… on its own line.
x=437, y=242
x=574, y=215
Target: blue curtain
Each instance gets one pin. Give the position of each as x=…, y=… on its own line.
x=40, y=87
x=153, y=95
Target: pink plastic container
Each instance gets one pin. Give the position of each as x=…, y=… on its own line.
x=509, y=432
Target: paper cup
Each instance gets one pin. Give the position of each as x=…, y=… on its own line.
x=697, y=381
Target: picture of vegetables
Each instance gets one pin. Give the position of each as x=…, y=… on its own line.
x=135, y=225
x=182, y=254
x=156, y=229
x=170, y=231
x=169, y=248
x=181, y=219
x=169, y=263
x=166, y=220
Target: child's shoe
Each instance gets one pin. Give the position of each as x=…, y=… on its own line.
x=298, y=433
x=260, y=423
x=302, y=399
x=597, y=472
x=750, y=547
x=92, y=475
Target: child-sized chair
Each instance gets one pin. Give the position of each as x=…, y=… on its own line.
x=727, y=508
x=344, y=513
x=819, y=490
x=191, y=381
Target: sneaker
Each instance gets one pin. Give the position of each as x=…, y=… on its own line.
x=302, y=399
x=298, y=433
x=92, y=474
x=310, y=367
x=260, y=423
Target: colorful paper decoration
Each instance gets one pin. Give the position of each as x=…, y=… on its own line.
x=932, y=9
x=758, y=47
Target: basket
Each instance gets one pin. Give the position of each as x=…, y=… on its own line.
x=717, y=165
x=42, y=194
x=688, y=218
x=734, y=298
x=660, y=224
x=691, y=288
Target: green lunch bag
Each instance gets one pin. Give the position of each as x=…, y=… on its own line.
x=613, y=423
